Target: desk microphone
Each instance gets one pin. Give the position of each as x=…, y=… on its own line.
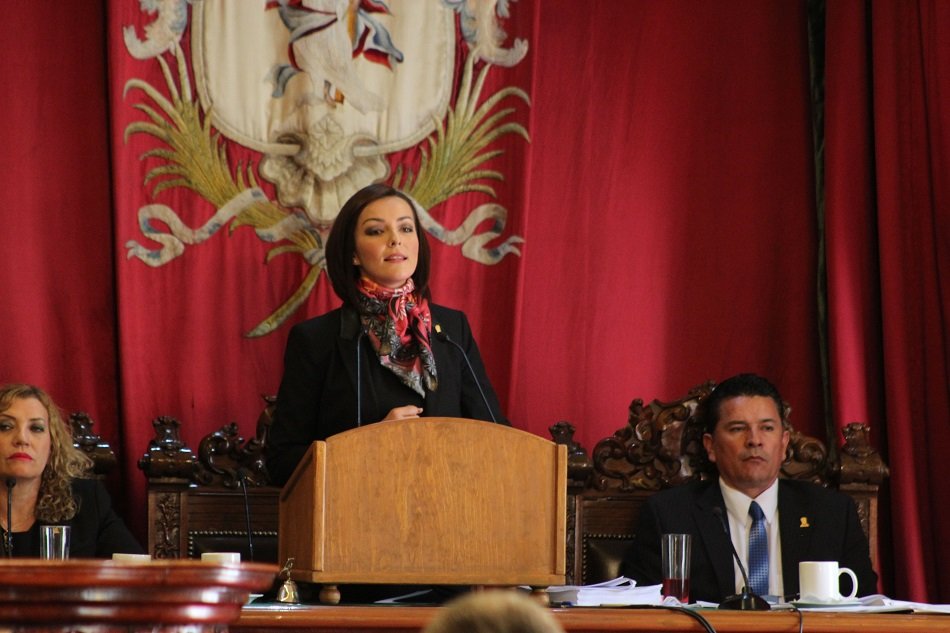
x=745, y=601
x=444, y=336
x=242, y=477
x=8, y=539
x=359, y=386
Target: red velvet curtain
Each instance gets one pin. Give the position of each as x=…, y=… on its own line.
x=666, y=200
x=57, y=311
x=888, y=129
x=671, y=231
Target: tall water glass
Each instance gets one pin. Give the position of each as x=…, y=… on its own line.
x=54, y=542
x=675, y=563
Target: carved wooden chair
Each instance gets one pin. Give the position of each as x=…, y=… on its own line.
x=196, y=502
x=103, y=458
x=661, y=447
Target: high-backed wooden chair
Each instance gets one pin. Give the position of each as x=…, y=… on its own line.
x=196, y=503
x=103, y=458
x=660, y=447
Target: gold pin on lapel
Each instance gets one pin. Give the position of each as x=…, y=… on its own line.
x=804, y=522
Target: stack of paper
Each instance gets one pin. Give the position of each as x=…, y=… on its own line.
x=620, y=591
x=880, y=602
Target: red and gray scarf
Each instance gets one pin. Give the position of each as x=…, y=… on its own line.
x=398, y=324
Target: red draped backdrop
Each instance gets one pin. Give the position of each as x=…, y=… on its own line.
x=666, y=199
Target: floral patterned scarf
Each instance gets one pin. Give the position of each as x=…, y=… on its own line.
x=398, y=324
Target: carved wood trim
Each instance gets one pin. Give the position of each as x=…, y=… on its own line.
x=167, y=457
x=859, y=463
x=570, y=536
x=223, y=458
x=103, y=458
x=579, y=467
x=167, y=525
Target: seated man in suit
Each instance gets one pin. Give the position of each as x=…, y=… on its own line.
x=746, y=435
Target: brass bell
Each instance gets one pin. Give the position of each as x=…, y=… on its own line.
x=288, y=592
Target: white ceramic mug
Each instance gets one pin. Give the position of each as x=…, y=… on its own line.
x=818, y=581
x=222, y=558
x=121, y=557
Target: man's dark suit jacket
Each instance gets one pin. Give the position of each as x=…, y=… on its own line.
x=318, y=394
x=815, y=524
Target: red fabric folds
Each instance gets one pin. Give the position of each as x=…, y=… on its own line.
x=57, y=299
x=888, y=259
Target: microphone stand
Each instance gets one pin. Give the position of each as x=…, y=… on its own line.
x=359, y=398
x=8, y=537
x=242, y=478
x=442, y=335
x=746, y=600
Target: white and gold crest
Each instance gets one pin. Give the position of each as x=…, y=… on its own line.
x=325, y=91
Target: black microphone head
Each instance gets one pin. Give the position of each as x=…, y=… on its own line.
x=11, y=482
x=440, y=333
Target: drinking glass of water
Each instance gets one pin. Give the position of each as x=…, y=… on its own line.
x=676, y=551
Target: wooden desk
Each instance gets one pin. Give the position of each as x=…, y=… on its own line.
x=109, y=597
x=407, y=619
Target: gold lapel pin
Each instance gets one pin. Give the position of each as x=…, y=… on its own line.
x=804, y=522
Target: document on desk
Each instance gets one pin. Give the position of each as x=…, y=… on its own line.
x=876, y=603
x=879, y=600
x=621, y=591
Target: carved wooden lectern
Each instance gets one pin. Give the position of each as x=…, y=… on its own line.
x=443, y=501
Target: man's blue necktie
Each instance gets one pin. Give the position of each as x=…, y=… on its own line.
x=758, y=552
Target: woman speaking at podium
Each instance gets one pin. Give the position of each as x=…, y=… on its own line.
x=387, y=353
x=42, y=482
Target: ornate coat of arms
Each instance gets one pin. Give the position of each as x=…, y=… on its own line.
x=324, y=93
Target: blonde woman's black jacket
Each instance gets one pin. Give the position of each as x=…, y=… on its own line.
x=97, y=531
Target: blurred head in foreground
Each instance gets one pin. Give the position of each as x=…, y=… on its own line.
x=494, y=611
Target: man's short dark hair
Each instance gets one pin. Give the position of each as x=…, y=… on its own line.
x=740, y=385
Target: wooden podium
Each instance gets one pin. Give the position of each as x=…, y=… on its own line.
x=443, y=501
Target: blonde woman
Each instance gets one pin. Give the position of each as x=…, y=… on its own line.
x=42, y=481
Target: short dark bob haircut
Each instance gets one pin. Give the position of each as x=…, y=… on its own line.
x=341, y=244
x=739, y=385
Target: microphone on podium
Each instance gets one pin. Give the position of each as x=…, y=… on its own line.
x=8, y=537
x=443, y=336
x=745, y=601
x=359, y=379
x=242, y=479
